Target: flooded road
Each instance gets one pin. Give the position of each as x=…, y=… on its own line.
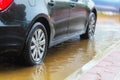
x=68, y=57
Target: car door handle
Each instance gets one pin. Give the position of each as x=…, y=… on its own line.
x=51, y=3
x=73, y=5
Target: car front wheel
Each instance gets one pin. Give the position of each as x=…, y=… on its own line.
x=89, y=34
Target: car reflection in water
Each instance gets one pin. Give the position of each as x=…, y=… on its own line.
x=23, y=73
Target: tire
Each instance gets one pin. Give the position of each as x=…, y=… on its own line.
x=36, y=45
x=89, y=34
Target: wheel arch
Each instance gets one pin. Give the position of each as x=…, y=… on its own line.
x=44, y=20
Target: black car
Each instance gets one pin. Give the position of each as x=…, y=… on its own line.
x=29, y=27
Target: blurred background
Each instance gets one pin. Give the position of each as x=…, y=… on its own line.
x=108, y=6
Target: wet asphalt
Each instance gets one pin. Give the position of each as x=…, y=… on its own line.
x=64, y=59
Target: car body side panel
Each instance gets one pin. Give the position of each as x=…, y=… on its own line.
x=78, y=17
x=59, y=14
x=74, y=28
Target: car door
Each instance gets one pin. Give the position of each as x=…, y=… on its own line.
x=78, y=16
x=59, y=13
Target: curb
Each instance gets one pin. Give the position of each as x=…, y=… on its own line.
x=80, y=73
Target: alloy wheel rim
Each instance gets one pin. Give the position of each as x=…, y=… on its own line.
x=37, y=46
x=91, y=30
